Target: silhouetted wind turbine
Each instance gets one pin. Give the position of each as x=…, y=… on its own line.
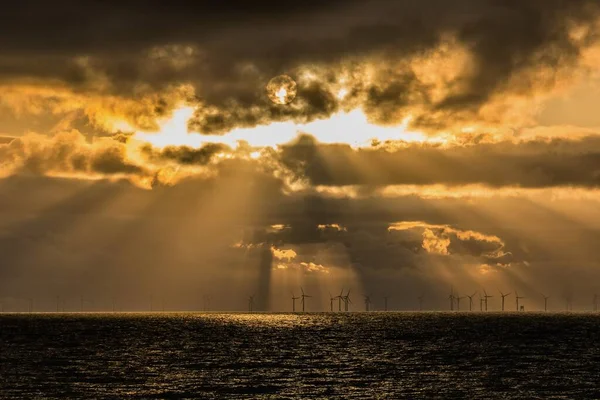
x=206, y=302
x=367, y=302
x=518, y=298
x=251, y=303
x=347, y=300
x=420, y=298
x=480, y=302
x=340, y=298
x=385, y=303
x=503, y=297
x=471, y=301
x=303, y=296
x=331, y=299
x=568, y=301
x=458, y=299
x=294, y=298
x=451, y=298
x=545, y=302
x=595, y=302
x=486, y=297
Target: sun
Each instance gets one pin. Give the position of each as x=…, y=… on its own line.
x=282, y=90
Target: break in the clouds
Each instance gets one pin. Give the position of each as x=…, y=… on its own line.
x=438, y=63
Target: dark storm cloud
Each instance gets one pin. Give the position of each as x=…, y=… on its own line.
x=229, y=53
x=184, y=155
x=530, y=164
x=66, y=152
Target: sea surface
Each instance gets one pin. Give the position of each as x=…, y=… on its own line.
x=300, y=356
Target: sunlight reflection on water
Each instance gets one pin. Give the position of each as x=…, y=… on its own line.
x=357, y=355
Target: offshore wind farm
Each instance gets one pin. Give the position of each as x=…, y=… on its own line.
x=335, y=303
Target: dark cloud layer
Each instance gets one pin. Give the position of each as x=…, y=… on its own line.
x=229, y=53
x=529, y=164
x=535, y=163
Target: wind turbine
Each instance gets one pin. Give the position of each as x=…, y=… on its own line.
x=451, y=298
x=340, y=299
x=545, y=302
x=458, y=299
x=367, y=302
x=385, y=303
x=304, y=296
x=569, y=301
x=347, y=300
x=420, y=298
x=331, y=299
x=294, y=298
x=471, y=301
x=206, y=302
x=486, y=297
x=480, y=302
x=251, y=303
x=517, y=298
x=595, y=302
x=503, y=296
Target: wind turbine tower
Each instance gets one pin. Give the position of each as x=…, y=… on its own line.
x=545, y=302
x=251, y=303
x=451, y=298
x=471, y=301
x=518, y=298
x=303, y=297
x=367, y=303
x=294, y=298
x=347, y=300
x=331, y=299
x=486, y=297
x=503, y=297
x=458, y=299
x=385, y=303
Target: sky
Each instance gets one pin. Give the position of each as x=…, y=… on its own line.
x=162, y=152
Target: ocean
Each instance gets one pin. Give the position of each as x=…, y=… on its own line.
x=300, y=356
